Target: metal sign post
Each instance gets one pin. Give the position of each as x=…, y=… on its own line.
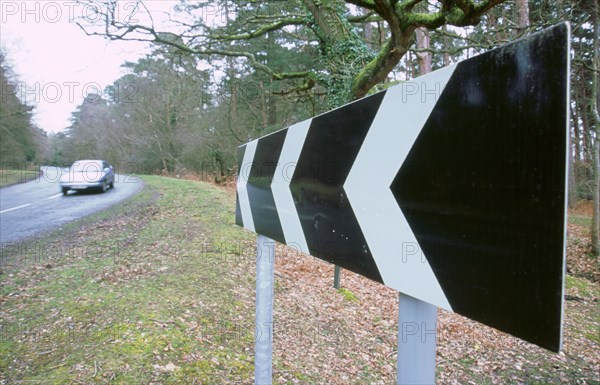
x=416, y=341
x=265, y=283
x=336, y=277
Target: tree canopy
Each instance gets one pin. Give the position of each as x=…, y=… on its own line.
x=20, y=140
x=330, y=32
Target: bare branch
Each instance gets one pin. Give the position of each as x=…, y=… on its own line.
x=366, y=18
x=258, y=32
x=368, y=4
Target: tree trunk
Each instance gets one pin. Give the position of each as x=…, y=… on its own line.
x=586, y=137
x=425, y=58
x=522, y=15
x=422, y=41
x=596, y=201
x=576, y=130
x=596, y=141
x=368, y=36
x=270, y=99
x=446, y=47
x=572, y=199
x=492, y=24
x=330, y=26
x=573, y=158
x=264, y=108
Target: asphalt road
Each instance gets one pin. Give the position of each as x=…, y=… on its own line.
x=34, y=207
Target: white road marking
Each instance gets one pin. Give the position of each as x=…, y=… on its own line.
x=15, y=208
x=29, y=204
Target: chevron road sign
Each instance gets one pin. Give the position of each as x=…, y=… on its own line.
x=450, y=188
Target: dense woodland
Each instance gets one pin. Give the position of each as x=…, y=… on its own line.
x=229, y=71
x=20, y=140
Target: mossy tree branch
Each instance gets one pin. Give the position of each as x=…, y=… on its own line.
x=402, y=21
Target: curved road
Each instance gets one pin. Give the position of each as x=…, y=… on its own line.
x=34, y=207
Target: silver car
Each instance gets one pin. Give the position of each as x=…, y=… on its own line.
x=88, y=175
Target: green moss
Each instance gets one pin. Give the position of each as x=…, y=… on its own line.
x=593, y=336
x=347, y=294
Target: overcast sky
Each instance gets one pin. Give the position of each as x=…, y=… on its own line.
x=57, y=64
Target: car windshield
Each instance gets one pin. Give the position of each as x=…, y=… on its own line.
x=86, y=167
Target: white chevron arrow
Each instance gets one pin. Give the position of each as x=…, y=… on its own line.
x=286, y=208
x=399, y=258
x=242, y=182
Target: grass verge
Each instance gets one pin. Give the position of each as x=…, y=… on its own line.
x=9, y=177
x=135, y=295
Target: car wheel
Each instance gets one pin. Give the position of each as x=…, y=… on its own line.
x=65, y=190
x=104, y=187
x=112, y=185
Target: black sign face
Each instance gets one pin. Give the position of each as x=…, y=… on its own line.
x=450, y=188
